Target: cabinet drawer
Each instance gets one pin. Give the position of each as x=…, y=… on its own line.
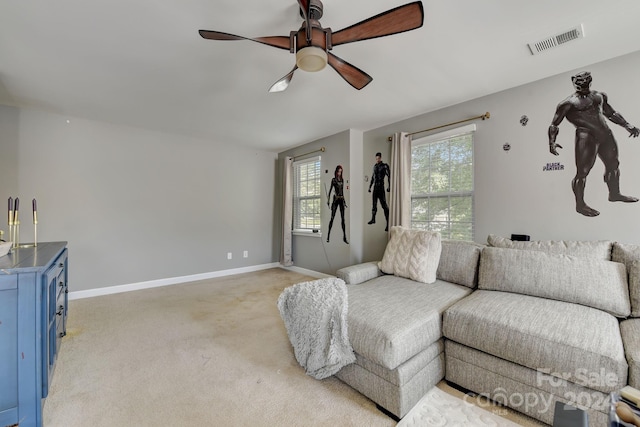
x=61, y=314
x=57, y=268
x=54, y=286
x=61, y=275
x=61, y=283
x=56, y=283
x=54, y=295
x=60, y=330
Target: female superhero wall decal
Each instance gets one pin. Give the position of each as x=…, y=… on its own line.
x=337, y=186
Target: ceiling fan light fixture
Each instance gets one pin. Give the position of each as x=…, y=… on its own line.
x=311, y=58
x=312, y=42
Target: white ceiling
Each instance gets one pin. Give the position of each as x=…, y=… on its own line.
x=142, y=63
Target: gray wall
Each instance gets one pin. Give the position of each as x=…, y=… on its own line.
x=9, y=138
x=512, y=192
x=137, y=205
x=312, y=251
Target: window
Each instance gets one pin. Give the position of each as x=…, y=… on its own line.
x=306, y=195
x=442, y=183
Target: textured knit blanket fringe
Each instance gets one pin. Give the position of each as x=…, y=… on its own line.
x=315, y=316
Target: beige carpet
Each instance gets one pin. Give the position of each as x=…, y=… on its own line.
x=208, y=353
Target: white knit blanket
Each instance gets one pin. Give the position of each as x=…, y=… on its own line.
x=315, y=316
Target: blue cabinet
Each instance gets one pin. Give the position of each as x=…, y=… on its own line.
x=33, y=312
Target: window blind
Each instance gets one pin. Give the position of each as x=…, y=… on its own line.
x=442, y=184
x=307, y=194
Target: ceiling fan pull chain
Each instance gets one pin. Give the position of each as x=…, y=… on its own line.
x=292, y=42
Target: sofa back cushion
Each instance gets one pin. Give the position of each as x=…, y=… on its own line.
x=595, y=283
x=629, y=255
x=459, y=262
x=412, y=254
x=600, y=249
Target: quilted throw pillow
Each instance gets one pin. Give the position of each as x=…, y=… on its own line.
x=412, y=254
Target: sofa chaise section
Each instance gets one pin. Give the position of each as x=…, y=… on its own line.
x=395, y=326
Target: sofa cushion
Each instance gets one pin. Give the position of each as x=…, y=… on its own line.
x=391, y=318
x=459, y=262
x=588, y=248
x=359, y=273
x=413, y=254
x=591, y=282
x=630, y=331
x=580, y=344
x=629, y=255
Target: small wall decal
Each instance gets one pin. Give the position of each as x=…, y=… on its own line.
x=553, y=167
x=524, y=120
x=506, y=146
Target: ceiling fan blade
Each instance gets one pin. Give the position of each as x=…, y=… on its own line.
x=282, y=42
x=398, y=20
x=353, y=75
x=283, y=83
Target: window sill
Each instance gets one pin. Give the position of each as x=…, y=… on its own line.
x=307, y=233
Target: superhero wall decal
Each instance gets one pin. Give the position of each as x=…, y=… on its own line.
x=588, y=110
x=380, y=171
x=337, y=187
x=338, y=204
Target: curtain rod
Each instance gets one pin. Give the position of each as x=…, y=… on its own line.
x=310, y=152
x=483, y=117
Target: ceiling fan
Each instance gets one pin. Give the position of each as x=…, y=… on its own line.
x=312, y=43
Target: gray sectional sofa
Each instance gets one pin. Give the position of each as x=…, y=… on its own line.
x=523, y=323
x=395, y=326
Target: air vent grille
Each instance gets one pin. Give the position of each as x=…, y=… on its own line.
x=557, y=40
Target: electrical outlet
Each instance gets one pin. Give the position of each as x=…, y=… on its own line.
x=229, y=255
x=245, y=254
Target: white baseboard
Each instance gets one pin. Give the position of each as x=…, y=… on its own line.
x=311, y=273
x=108, y=290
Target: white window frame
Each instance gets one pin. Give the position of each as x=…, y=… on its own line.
x=443, y=136
x=297, y=228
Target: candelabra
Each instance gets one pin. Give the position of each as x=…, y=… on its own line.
x=13, y=214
